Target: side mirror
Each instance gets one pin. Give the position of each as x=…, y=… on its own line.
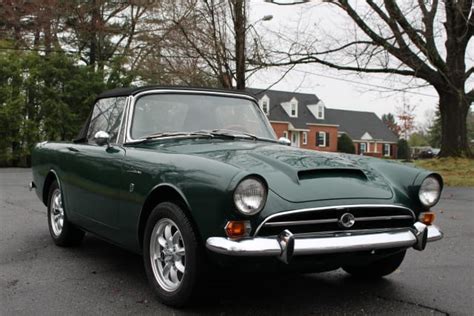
x=101, y=138
x=284, y=141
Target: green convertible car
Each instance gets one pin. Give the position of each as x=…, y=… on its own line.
x=195, y=178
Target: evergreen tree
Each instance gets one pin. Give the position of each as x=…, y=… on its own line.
x=345, y=144
x=403, y=151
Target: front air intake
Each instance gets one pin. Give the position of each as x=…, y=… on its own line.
x=331, y=173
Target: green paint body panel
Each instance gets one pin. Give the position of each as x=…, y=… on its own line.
x=105, y=189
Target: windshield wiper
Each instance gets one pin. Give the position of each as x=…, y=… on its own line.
x=233, y=133
x=223, y=133
x=171, y=134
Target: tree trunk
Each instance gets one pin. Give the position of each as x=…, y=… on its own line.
x=454, y=109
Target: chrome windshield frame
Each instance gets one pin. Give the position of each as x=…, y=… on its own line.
x=134, y=98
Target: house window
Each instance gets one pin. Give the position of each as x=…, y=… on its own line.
x=285, y=134
x=321, y=139
x=293, y=109
x=386, y=150
x=305, y=138
x=320, y=113
x=362, y=148
x=265, y=106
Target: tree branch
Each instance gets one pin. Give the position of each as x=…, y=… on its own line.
x=404, y=54
x=312, y=59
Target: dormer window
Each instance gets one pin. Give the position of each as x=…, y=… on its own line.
x=320, y=112
x=265, y=104
x=293, y=108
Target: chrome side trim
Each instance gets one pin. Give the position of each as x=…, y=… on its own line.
x=123, y=122
x=335, y=207
x=286, y=244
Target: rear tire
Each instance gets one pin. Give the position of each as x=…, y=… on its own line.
x=172, y=256
x=377, y=269
x=64, y=233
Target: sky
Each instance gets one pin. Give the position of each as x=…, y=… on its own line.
x=340, y=90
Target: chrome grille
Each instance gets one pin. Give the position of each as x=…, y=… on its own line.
x=327, y=219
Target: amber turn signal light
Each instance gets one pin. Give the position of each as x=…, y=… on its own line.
x=237, y=229
x=427, y=218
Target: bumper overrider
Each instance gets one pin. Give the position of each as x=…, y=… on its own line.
x=286, y=245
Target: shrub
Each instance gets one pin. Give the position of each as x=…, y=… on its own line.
x=345, y=144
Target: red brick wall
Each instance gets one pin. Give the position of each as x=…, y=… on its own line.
x=313, y=129
x=279, y=128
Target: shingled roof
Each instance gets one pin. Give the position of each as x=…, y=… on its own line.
x=354, y=123
x=277, y=113
x=357, y=123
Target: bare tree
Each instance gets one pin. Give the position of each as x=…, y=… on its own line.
x=406, y=116
x=212, y=35
x=405, y=38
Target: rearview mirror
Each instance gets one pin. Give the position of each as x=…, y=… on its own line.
x=101, y=138
x=284, y=141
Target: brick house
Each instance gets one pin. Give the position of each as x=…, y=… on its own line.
x=307, y=123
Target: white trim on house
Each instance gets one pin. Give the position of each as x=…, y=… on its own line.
x=295, y=139
x=378, y=140
x=318, y=110
x=387, y=151
x=322, y=124
x=280, y=122
x=291, y=107
x=367, y=136
x=365, y=148
x=265, y=100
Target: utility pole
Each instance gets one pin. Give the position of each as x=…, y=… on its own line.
x=240, y=30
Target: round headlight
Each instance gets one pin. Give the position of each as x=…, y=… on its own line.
x=430, y=191
x=250, y=196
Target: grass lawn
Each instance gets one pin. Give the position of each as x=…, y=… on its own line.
x=457, y=172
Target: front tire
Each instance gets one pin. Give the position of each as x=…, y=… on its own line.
x=377, y=269
x=173, y=262
x=64, y=233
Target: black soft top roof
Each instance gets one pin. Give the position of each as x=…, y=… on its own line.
x=121, y=92
x=124, y=92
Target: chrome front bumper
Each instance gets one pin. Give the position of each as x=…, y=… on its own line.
x=286, y=244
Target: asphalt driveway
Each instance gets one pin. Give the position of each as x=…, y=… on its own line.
x=39, y=278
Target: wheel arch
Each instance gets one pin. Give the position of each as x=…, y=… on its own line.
x=163, y=193
x=50, y=177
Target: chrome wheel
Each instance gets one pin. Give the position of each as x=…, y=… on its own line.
x=167, y=254
x=57, y=212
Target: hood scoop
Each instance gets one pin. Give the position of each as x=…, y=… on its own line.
x=323, y=173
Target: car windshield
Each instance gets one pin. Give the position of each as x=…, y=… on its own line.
x=173, y=113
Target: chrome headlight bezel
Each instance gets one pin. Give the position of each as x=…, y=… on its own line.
x=429, y=192
x=243, y=195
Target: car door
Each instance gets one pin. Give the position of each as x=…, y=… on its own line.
x=95, y=177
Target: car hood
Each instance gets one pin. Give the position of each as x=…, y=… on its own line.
x=297, y=175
